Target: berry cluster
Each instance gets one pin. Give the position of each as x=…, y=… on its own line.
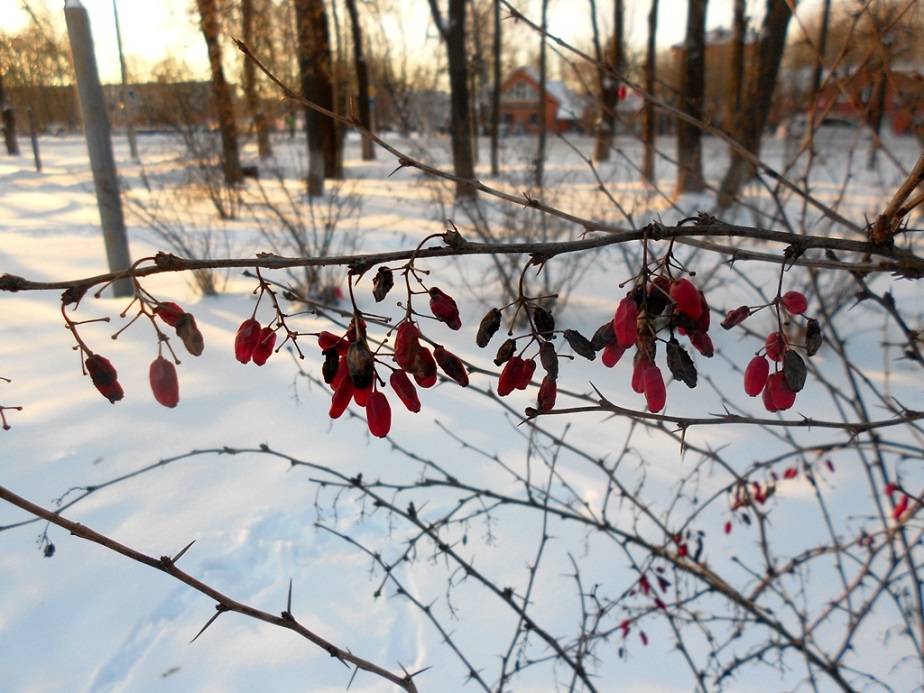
x=778, y=388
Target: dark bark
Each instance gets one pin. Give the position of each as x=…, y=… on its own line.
x=9, y=122
x=736, y=85
x=756, y=108
x=540, y=147
x=649, y=118
x=224, y=102
x=316, y=71
x=609, y=85
x=495, y=92
x=250, y=84
x=364, y=102
x=692, y=90
x=460, y=125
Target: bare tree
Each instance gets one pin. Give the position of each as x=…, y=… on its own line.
x=692, y=91
x=224, y=102
x=496, y=90
x=609, y=83
x=9, y=122
x=362, y=79
x=316, y=68
x=460, y=117
x=254, y=106
x=650, y=115
x=756, y=107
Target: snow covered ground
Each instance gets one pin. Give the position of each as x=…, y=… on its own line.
x=89, y=620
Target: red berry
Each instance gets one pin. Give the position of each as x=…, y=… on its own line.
x=265, y=344
x=702, y=342
x=781, y=394
x=378, y=414
x=638, y=374
x=776, y=346
x=510, y=376
x=341, y=399
x=687, y=299
x=794, y=302
x=900, y=507
x=248, y=335
x=655, y=392
x=164, y=384
x=170, y=313
x=790, y=473
x=451, y=364
x=444, y=308
x=104, y=377
x=328, y=340
x=424, y=368
x=405, y=390
x=361, y=396
x=728, y=527
x=612, y=352
x=755, y=376
x=625, y=322
x=407, y=344
x=526, y=374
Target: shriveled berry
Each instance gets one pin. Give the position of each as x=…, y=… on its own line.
x=382, y=283
x=331, y=364
x=813, y=337
x=544, y=321
x=548, y=391
x=104, y=377
x=265, y=345
x=794, y=302
x=188, y=331
x=625, y=322
x=489, y=325
x=680, y=364
x=378, y=414
x=755, y=375
x=581, y=345
x=361, y=363
x=659, y=290
x=655, y=392
x=604, y=335
x=444, y=308
x=611, y=354
x=170, y=313
x=702, y=342
x=549, y=359
x=164, y=384
x=794, y=371
x=248, y=335
x=451, y=364
x=504, y=352
x=405, y=390
x=687, y=298
x=736, y=317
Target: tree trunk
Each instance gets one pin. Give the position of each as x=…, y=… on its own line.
x=224, y=103
x=756, y=108
x=649, y=120
x=736, y=84
x=362, y=80
x=692, y=90
x=250, y=83
x=460, y=126
x=9, y=123
x=540, y=147
x=315, y=68
x=495, y=92
x=609, y=86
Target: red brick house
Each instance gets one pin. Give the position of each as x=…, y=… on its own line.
x=520, y=111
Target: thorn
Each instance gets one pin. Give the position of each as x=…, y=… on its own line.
x=184, y=550
x=219, y=610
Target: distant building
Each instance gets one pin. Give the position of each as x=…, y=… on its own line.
x=521, y=113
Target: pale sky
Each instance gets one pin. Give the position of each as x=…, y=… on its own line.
x=155, y=29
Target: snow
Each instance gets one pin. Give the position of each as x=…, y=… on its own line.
x=90, y=620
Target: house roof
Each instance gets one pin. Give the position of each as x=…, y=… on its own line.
x=571, y=105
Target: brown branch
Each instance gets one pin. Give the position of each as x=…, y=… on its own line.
x=167, y=565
